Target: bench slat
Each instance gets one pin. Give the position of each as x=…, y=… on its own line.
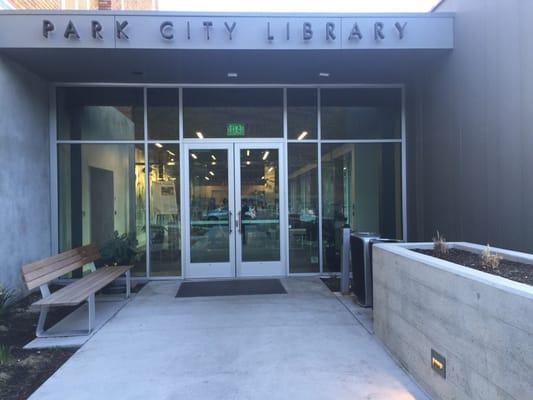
x=48, y=269
x=79, y=291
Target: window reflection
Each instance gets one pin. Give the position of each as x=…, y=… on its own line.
x=100, y=113
x=361, y=188
x=232, y=113
x=209, y=214
x=302, y=114
x=303, y=208
x=165, y=229
x=102, y=201
x=260, y=205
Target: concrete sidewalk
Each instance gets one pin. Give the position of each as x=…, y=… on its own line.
x=301, y=345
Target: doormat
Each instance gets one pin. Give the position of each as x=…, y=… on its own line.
x=236, y=287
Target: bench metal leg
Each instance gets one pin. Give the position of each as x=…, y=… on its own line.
x=40, y=324
x=128, y=284
x=91, y=303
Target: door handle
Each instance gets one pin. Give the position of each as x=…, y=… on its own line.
x=229, y=222
x=238, y=222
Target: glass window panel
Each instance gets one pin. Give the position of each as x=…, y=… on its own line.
x=165, y=210
x=361, y=113
x=260, y=205
x=303, y=207
x=361, y=187
x=163, y=113
x=208, y=203
x=100, y=113
x=233, y=113
x=302, y=113
x=102, y=201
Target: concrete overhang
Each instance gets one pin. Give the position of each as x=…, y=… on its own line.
x=157, y=47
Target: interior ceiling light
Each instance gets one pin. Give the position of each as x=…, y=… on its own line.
x=171, y=163
x=213, y=163
x=247, y=153
x=171, y=153
x=211, y=173
x=213, y=157
x=263, y=178
x=194, y=156
x=159, y=145
x=200, y=135
x=206, y=178
x=270, y=169
x=232, y=75
x=265, y=156
x=248, y=162
x=324, y=74
x=302, y=135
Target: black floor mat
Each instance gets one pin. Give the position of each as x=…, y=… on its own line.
x=236, y=287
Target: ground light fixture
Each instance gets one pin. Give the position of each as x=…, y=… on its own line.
x=200, y=135
x=302, y=135
x=265, y=156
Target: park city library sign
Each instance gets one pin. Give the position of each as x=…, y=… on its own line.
x=198, y=31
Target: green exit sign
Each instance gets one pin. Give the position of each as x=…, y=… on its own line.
x=235, y=129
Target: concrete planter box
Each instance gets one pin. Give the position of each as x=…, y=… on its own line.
x=482, y=324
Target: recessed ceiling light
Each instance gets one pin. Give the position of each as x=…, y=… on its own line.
x=232, y=75
x=200, y=135
x=248, y=162
x=324, y=74
x=302, y=135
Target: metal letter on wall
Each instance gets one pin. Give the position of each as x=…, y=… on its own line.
x=167, y=30
x=230, y=29
x=330, y=31
x=355, y=33
x=378, y=31
x=207, y=26
x=71, y=30
x=270, y=37
x=121, y=27
x=307, y=31
x=96, y=30
x=47, y=28
x=401, y=29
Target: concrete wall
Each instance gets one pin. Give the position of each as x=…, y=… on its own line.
x=476, y=320
x=24, y=171
x=475, y=168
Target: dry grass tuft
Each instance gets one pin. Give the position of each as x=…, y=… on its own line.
x=440, y=247
x=490, y=259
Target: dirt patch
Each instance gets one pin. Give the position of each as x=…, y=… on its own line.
x=26, y=370
x=515, y=271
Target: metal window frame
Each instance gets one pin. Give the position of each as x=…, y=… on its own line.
x=146, y=142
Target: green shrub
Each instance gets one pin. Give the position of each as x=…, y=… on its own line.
x=7, y=297
x=5, y=354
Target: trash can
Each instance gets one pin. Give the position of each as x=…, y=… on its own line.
x=361, y=266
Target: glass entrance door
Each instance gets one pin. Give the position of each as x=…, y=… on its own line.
x=233, y=203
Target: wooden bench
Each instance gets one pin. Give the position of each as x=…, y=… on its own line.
x=41, y=273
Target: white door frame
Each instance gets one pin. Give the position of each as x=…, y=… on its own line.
x=217, y=269
x=261, y=268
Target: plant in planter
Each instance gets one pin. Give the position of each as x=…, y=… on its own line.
x=120, y=250
x=440, y=246
x=490, y=259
